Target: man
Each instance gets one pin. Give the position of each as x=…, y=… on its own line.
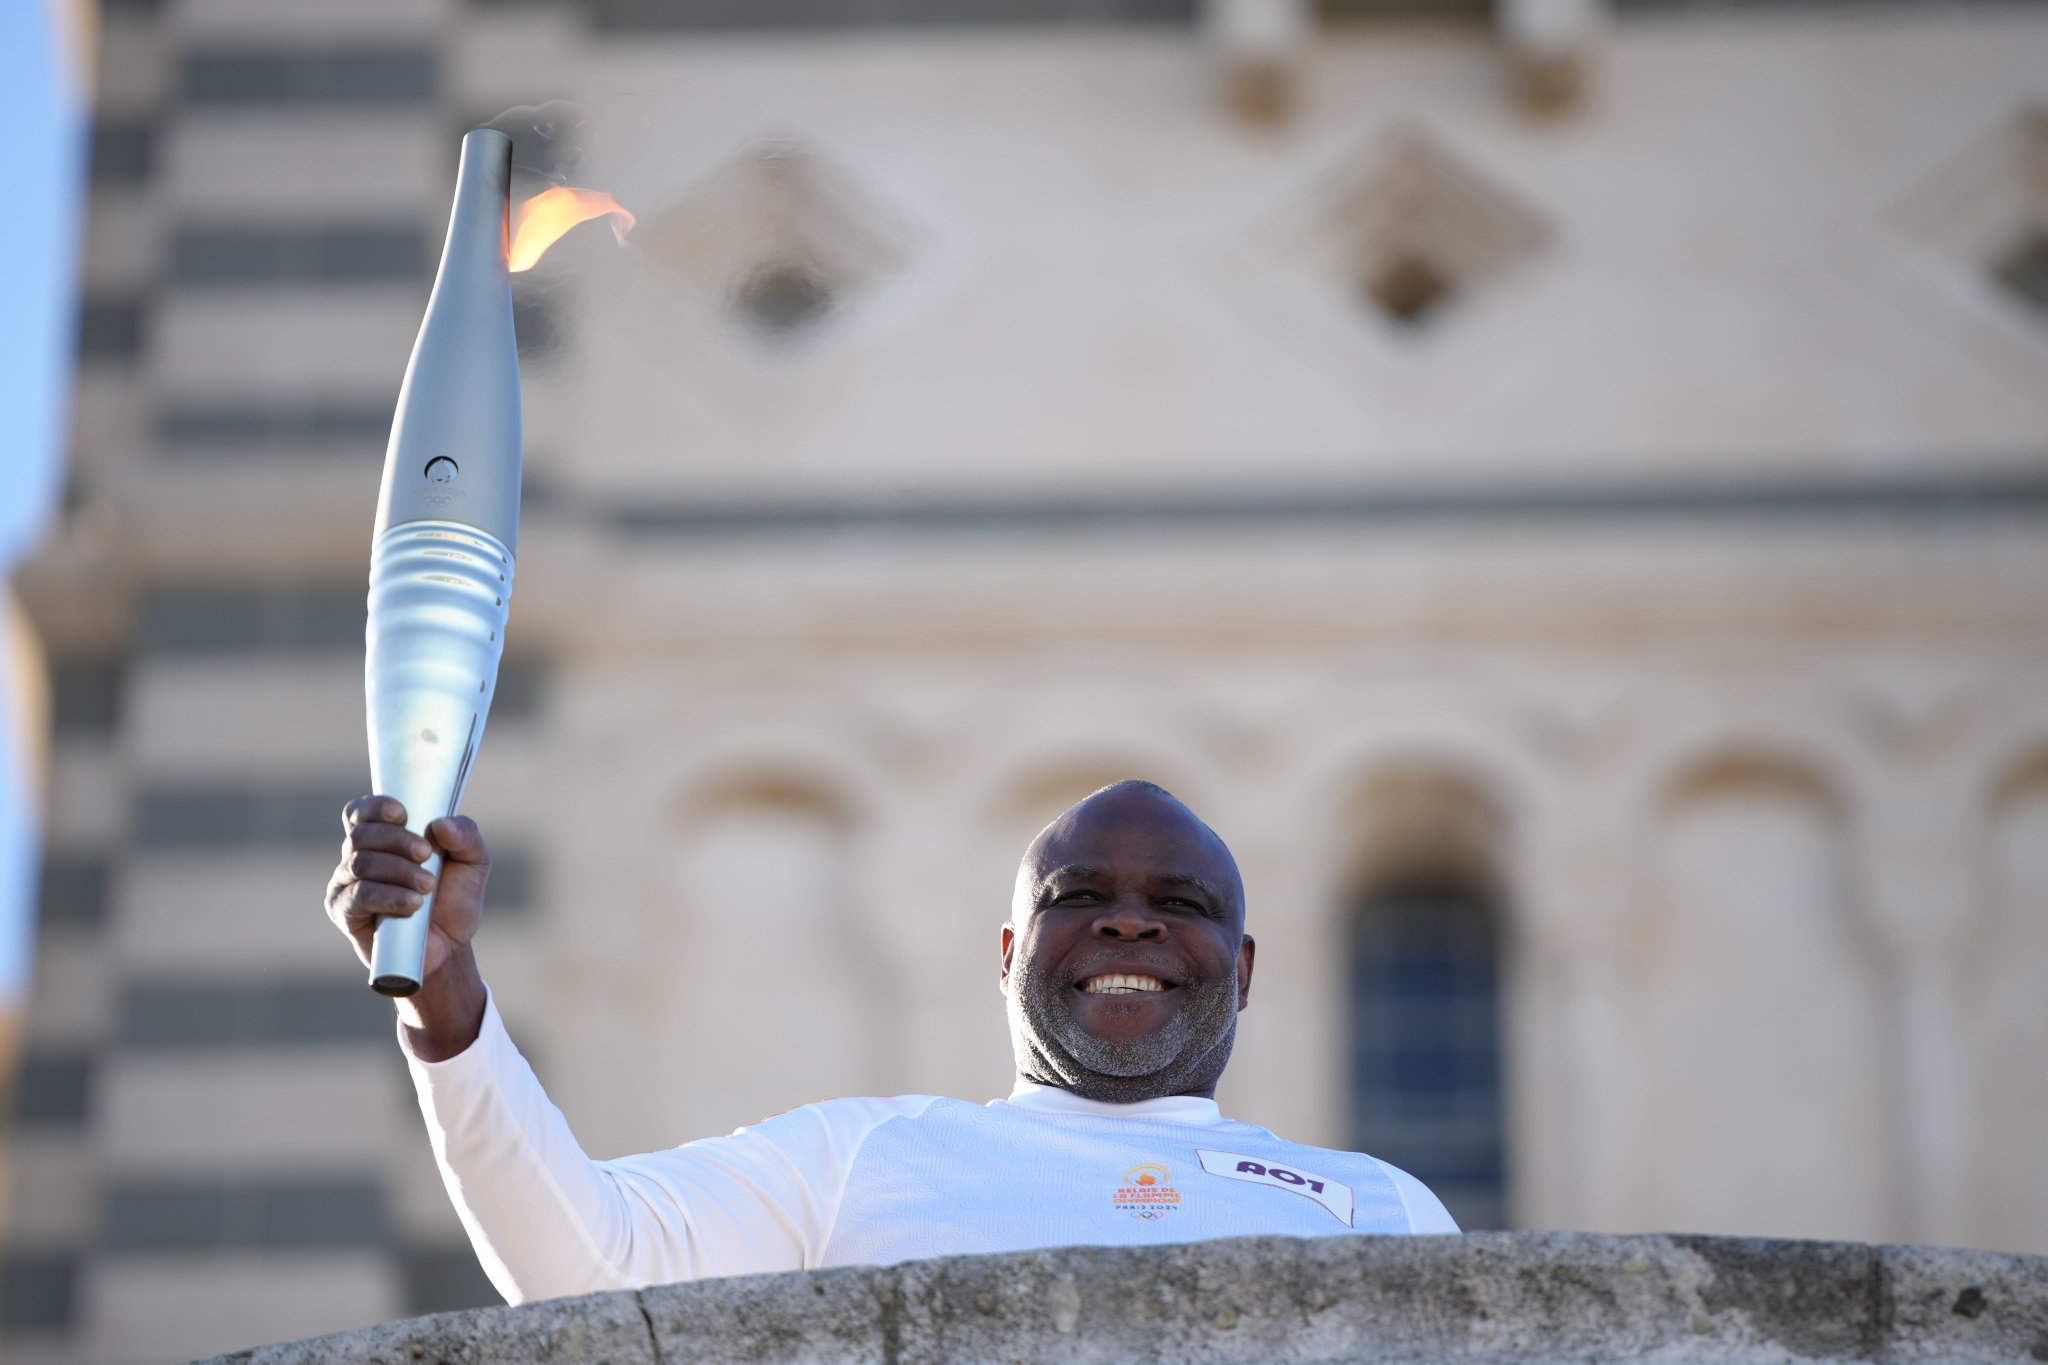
x=1125, y=963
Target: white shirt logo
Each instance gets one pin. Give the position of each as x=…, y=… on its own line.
x=1332, y=1195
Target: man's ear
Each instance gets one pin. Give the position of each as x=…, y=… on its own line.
x=1246, y=951
x=1009, y=948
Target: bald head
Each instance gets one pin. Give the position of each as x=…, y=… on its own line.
x=1128, y=812
x=1125, y=959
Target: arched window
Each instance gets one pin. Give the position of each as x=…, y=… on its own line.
x=1425, y=1044
x=1425, y=996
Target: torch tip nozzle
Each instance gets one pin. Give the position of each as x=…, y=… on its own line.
x=396, y=987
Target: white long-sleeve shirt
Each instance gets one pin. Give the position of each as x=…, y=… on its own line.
x=872, y=1182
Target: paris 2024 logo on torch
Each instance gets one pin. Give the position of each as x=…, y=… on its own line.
x=1146, y=1193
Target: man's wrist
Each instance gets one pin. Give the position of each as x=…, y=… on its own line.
x=447, y=1014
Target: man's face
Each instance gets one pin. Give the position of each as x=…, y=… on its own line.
x=1126, y=962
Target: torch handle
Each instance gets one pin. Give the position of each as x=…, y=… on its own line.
x=439, y=595
x=398, y=950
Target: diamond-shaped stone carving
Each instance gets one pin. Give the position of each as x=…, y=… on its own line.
x=1406, y=230
x=777, y=243
x=1988, y=208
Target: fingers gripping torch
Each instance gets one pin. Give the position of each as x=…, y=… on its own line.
x=447, y=530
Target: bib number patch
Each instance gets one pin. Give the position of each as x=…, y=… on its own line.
x=1332, y=1195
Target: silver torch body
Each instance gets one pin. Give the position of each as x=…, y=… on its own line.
x=446, y=536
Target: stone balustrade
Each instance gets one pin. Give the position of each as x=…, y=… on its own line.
x=1494, y=1296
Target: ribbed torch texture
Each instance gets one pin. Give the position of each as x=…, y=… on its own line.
x=447, y=530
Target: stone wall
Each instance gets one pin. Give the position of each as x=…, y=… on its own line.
x=1501, y=1296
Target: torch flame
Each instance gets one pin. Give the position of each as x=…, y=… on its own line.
x=539, y=223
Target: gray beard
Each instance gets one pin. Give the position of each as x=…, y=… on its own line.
x=1185, y=1056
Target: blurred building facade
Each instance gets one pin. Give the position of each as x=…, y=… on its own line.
x=1562, y=493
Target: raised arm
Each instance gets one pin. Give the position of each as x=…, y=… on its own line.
x=545, y=1219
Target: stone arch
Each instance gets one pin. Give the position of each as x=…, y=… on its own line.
x=1489, y=760
x=1321, y=783
x=1422, y=821
x=1817, y=752
x=1805, y=751
x=1758, y=1046
x=819, y=768
x=1485, y=771
x=767, y=911
x=1305, y=855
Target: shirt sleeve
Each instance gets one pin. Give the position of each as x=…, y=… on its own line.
x=1426, y=1213
x=547, y=1221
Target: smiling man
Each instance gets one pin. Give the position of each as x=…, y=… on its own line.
x=1125, y=961
x=1125, y=964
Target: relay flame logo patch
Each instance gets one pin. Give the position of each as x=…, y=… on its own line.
x=1146, y=1192
x=1331, y=1194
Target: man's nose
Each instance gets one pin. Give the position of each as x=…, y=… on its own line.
x=1129, y=922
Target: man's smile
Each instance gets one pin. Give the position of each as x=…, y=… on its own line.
x=1122, y=983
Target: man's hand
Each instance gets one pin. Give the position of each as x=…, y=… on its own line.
x=381, y=876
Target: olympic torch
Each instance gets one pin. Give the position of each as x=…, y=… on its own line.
x=447, y=534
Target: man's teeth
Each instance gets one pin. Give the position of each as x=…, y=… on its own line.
x=1118, y=983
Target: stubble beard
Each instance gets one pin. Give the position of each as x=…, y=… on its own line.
x=1185, y=1055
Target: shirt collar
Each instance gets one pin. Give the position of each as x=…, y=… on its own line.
x=1050, y=1099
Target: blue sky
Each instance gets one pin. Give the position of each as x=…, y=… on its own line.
x=41, y=109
